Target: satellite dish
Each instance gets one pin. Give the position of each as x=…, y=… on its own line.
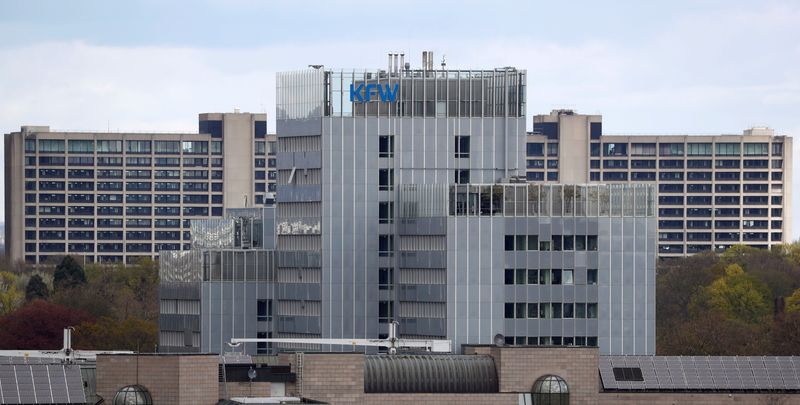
x=499, y=340
x=251, y=374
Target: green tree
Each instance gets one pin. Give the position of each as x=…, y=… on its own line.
x=793, y=302
x=68, y=274
x=739, y=296
x=10, y=296
x=36, y=288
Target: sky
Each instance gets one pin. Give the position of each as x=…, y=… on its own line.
x=649, y=67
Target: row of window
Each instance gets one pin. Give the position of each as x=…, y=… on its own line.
x=118, y=185
x=128, y=198
x=48, y=247
x=107, y=222
x=719, y=248
x=701, y=224
x=129, y=161
x=718, y=200
x=128, y=174
x=719, y=236
x=552, y=340
x=556, y=243
x=114, y=211
x=550, y=310
x=679, y=176
x=538, y=149
x=546, y=277
x=107, y=235
x=115, y=146
x=678, y=164
x=686, y=149
x=719, y=188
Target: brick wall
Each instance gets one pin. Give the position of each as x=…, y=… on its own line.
x=169, y=379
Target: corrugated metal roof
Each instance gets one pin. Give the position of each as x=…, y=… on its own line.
x=41, y=384
x=429, y=373
x=703, y=373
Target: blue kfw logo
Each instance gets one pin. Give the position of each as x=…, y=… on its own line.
x=363, y=93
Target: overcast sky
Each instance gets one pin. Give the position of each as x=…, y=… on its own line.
x=670, y=67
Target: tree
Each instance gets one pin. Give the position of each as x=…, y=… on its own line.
x=793, y=302
x=10, y=296
x=68, y=274
x=36, y=289
x=109, y=334
x=38, y=326
x=786, y=335
x=739, y=296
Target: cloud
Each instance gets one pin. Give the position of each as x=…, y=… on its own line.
x=705, y=72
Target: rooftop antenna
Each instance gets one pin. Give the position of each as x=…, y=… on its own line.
x=444, y=63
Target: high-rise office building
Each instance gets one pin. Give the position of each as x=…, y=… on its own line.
x=115, y=197
x=713, y=191
x=400, y=197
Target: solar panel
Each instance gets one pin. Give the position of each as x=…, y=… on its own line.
x=41, y=383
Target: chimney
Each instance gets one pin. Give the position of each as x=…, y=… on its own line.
x=389, y=64
x=402, y=61
x=424, y=60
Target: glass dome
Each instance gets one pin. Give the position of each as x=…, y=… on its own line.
x=550, y=390
x=132, y=395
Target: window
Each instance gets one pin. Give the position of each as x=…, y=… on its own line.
x=567, y=277
x=698, y=149
x=535, y=149
x=385, y=311
x=137, y=146
x=615, y=149
x=30, y=145
x=569, y=242
x=580, y=242
x=777, y=149
x=51, y=146
x=264, y=310
x=462, y=146
x=509, y=276
x=81, y=146
x=385, y=278
x=386, y=179
x=643, y=176
x=556, y=243
x=385, y=212
x=615, y=176
x=643, y=149
x=552, y=176
x=167, y=147
x=699, y=164
x=594, y=149
x=261, y=148
x=670, y=149
x=462, y=176
x=756, y=149
x=615, y=164
x=552, y=149
x=628, y=374
x=670, y=164
x=595, y=130
x=728, y=149
x=216, y=147
x=591, y=311
x=386, y=245
x=591, y=276
x=195, y=147
x=591, y=242
x=386, y=146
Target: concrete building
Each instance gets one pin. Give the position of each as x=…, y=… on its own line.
x=223, y=288
x=115, y=197
x=397, y=201
x=483, y=375
x=713, y=191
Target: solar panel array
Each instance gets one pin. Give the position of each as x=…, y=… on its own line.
x=41, y=384
x=704, y=373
